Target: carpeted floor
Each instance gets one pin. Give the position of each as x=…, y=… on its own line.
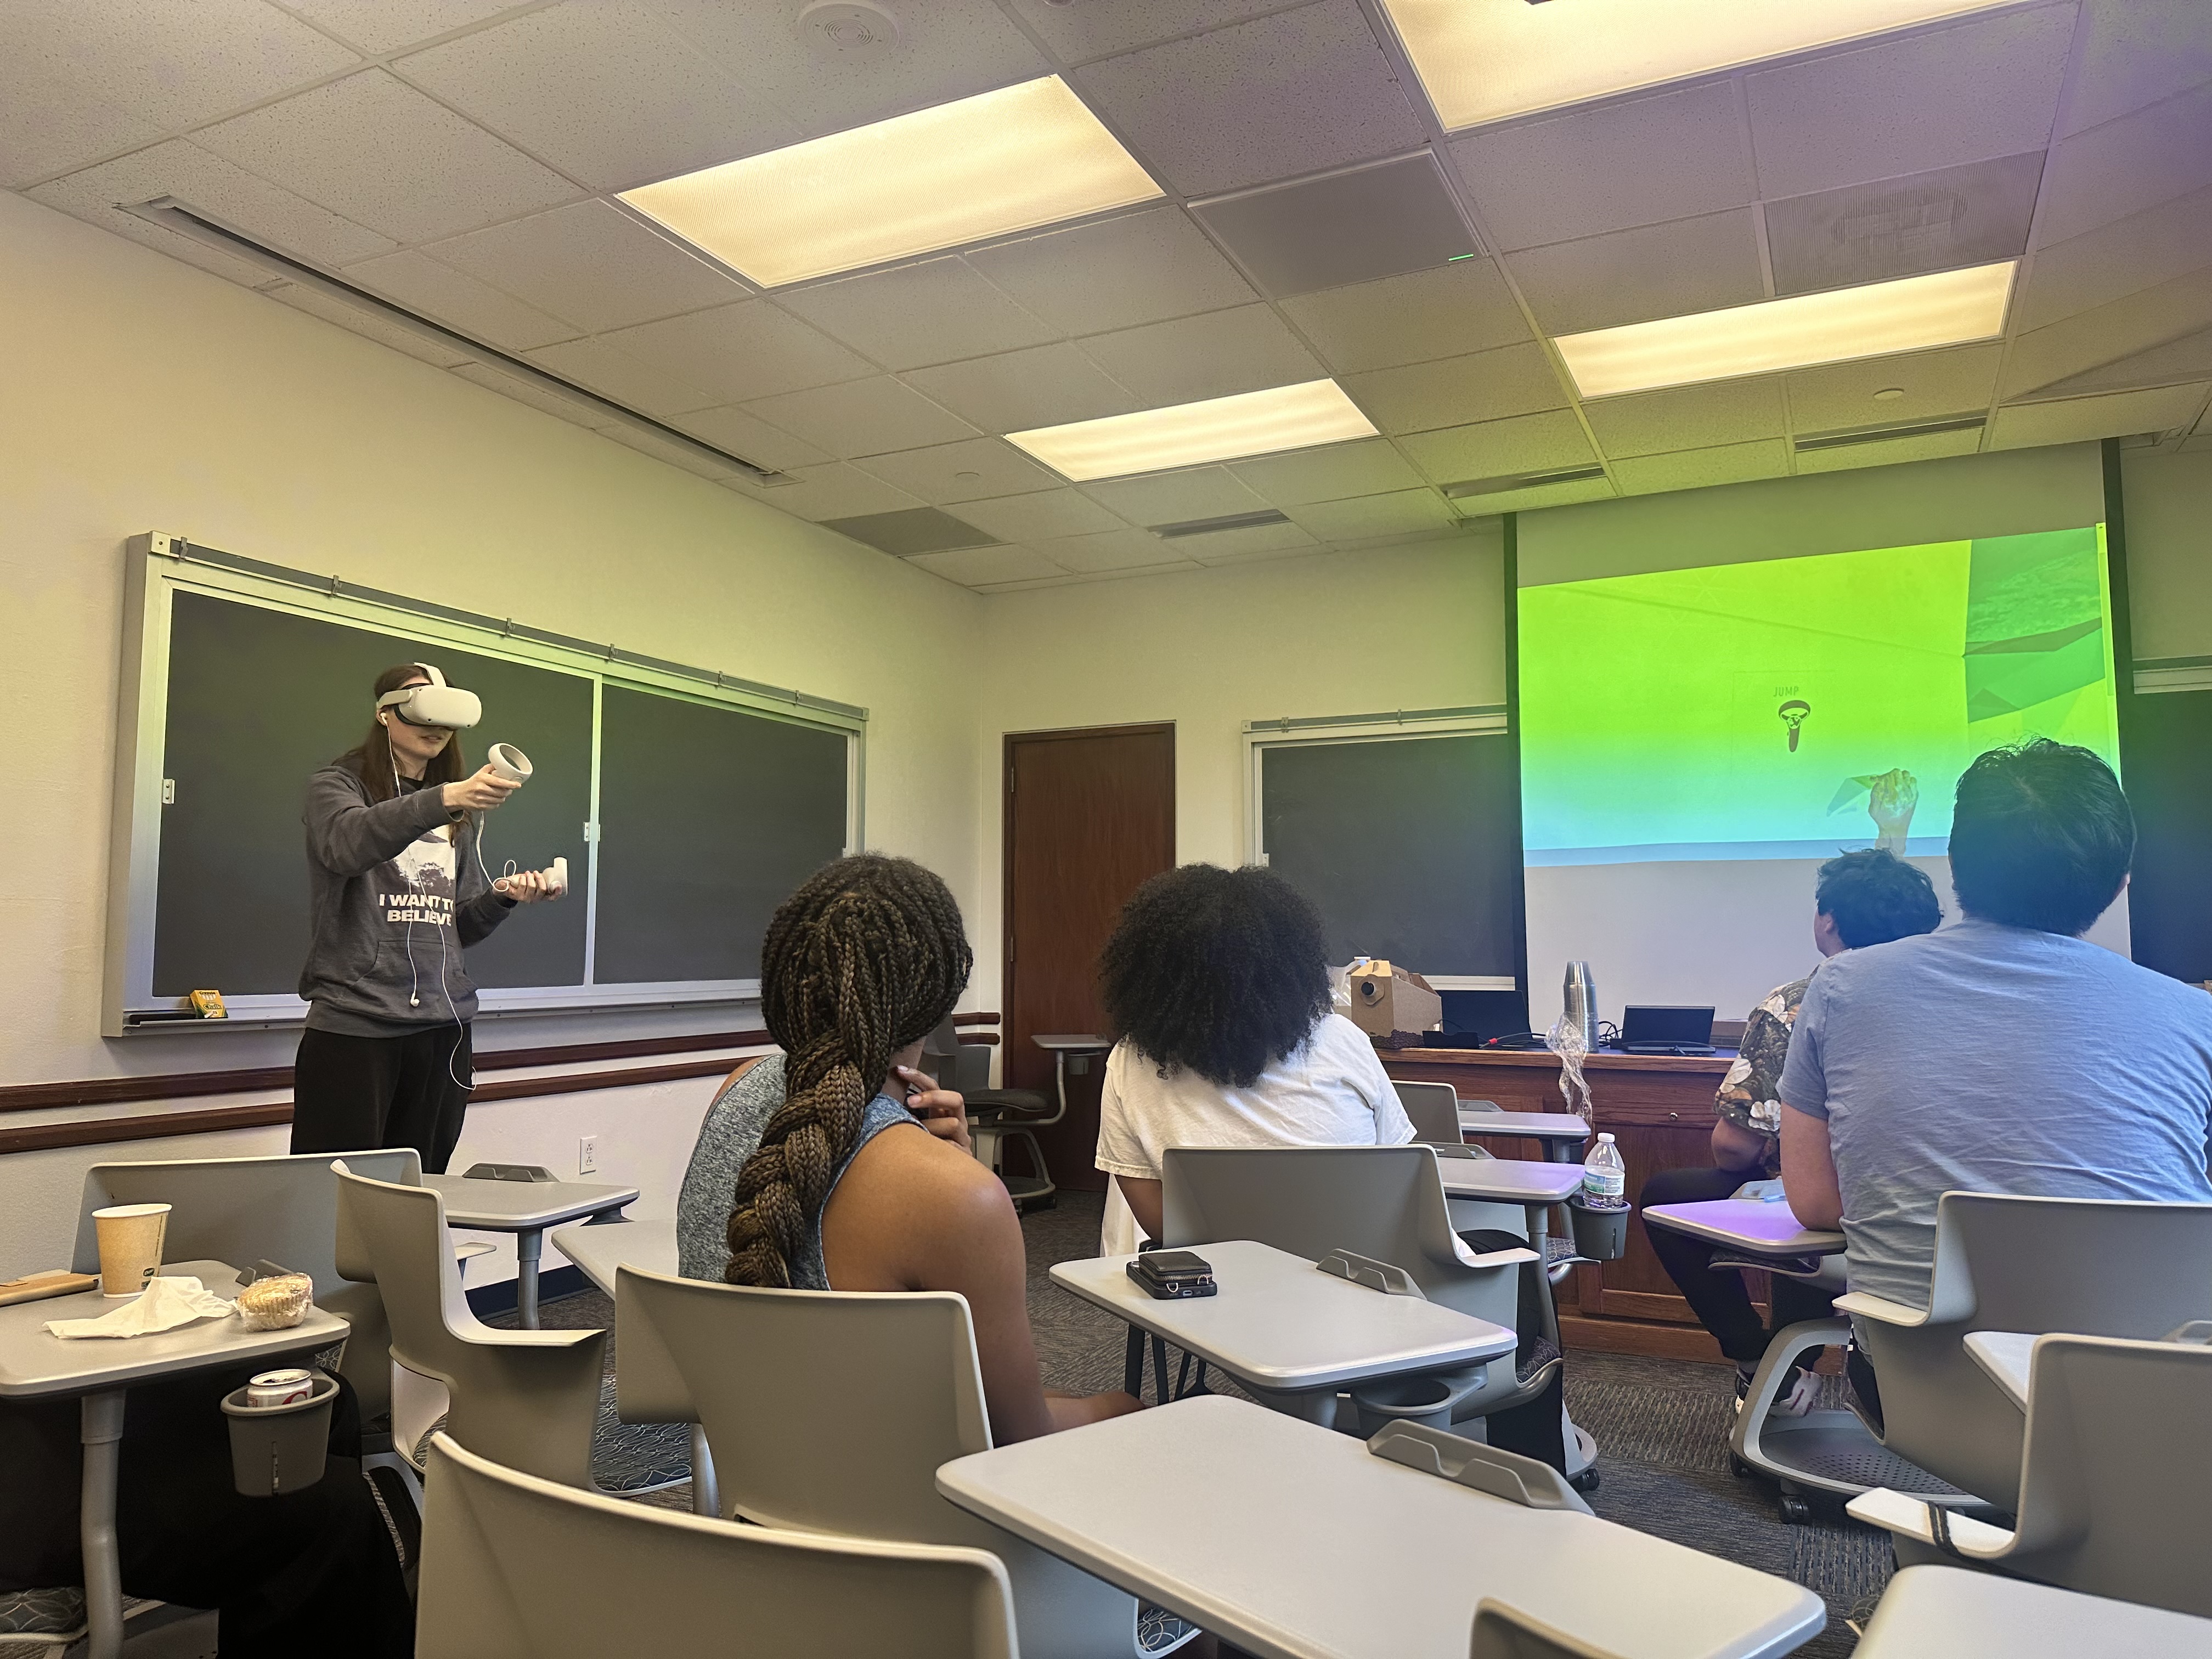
x=1660, y=1427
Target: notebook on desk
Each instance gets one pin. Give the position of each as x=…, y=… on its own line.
x=1654, y=1030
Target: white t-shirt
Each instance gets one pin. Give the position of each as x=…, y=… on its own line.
x=1331, y=1092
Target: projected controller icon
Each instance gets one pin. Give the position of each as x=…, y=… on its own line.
x=1792, y=715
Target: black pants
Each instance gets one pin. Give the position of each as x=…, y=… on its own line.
x=353, y=1094
x=1719, y=1300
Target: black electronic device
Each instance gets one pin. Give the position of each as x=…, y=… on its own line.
x=1170, y=1275
x=1657, y=1031
x=534, y=1172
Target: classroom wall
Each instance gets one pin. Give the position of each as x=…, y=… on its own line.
x=2168, y=498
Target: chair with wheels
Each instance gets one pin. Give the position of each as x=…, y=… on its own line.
x=518, y=1567
x=995, y=1116
x=2115, y=1483
x=831, y=1411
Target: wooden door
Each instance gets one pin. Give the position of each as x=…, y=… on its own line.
x=1089, y=817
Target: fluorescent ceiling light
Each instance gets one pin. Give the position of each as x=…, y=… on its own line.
x=1946, y=307
x=1005, y=160
x=1484, y=60
x=1190, y=435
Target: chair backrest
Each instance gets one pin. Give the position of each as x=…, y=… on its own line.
x=515, y=1567
x=963, y=1066
x=1434, y=1109
x=244, y=1210
x=1387, y=1202
x=2116, y=1483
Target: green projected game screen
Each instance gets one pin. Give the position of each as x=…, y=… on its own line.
x=1789, y=708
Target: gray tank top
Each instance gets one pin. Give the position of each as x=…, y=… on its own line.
x=730, y=1135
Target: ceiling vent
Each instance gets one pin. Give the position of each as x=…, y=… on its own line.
x=1945, y=220
x=173, y=215
x=911, y=529
x=1876, y=435
x=1380, y=219
x=1459, y=492
x=1211, y=527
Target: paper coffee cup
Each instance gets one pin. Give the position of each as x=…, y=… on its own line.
x=130, y=1237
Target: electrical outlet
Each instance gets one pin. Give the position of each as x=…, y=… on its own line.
x=587, y=1156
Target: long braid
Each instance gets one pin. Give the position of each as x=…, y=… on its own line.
x=867, y=957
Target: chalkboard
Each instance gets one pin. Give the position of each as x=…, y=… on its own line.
x=2168, y=761
x=1410, y=848
x=257, y=700
x=709, y=817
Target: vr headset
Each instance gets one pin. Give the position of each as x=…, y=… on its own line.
x=436, y=704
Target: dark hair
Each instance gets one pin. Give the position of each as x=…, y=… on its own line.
x=867, y=957
x=1217, y=971
x=2041, y=838
x=1874, y=896
x=370, y=760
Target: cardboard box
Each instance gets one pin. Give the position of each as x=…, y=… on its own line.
x=1394, y=1006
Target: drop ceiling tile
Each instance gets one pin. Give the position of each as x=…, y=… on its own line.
x=740, y=352
x=1141, y=268
x=316, y=303
x=445, y=295
x=974, y=566
x=1976, y=90
x=2126, y=165
x=220, y=188
x=1840, y=397
x=1077, y=33
x=747, y=436
x=2138, y=323
x=1687, y=417
x=386, y=156
x=2134, y=53
x=492, y=378
x=1495, y=449
x=621, y=377
x=1040, y=516
x=972, y=470
x=1293, y=94
x=1448, y=312
x=1889, y=451
x=590, y=265
x=48, y=126
x=872, y=417
x=945, y=50
x=2115, y=415
x=1215, y=356
x=835, y=491
x=1611, y=167
x=1202, y=492
x=1017, y=391
x=1632, y=276
x=1233, y=546
x=1369, y=466
x=2121, y=259
x=1974, y=214
x=604, y=91
x=910, y=530
x=2189, y=358
x=1538, y=496
x=387, y=25
x=1399, y=514
x=1488, y=385
x=933, y=312
x=1111, y=549
x=1358, y=224
x=1700, y=469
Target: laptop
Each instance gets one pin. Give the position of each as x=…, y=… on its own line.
x=1666, y=1031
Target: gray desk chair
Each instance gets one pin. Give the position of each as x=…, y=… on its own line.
x=2108, y=1504
x=831, y=1411
x=515, y=1567
x=2099, y=1267
x=1384, y=1202
x=995, y=1116
x=527, y=1399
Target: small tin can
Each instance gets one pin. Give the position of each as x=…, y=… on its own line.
x=280, y=1388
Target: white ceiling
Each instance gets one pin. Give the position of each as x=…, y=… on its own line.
x=459, y=157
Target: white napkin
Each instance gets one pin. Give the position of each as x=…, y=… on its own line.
x=163, y=1305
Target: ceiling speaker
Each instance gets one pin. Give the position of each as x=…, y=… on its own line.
x=848, y=30
x=1943, y=220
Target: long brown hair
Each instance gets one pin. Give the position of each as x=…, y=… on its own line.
x=370, y=760
x=867, y=957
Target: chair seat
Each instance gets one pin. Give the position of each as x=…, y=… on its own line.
x=999, y=1103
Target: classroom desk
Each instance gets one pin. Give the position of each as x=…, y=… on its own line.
x=2006, y=1355
x=526, y=1209
x=1536, y=1186
x=1984, y=1616
x=98, y=1373
x=1746, y=1225
x=1285, y=1329
x=1295, y=1543
x=1561, y=1134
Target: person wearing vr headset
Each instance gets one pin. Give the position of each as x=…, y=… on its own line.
x=398, y=890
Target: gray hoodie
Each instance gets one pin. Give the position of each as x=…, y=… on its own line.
x=393, y=903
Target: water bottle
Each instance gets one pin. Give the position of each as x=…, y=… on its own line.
x=1605, y=1177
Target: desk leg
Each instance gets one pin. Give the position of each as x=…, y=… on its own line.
x=1540, y=1231
x=706, y=1493
x=529, y=1246
x=101, y=1432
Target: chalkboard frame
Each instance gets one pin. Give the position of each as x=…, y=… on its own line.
x=1263, y=737
x=158, y=565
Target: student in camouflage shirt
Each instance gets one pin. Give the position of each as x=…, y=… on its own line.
x=1862, y=898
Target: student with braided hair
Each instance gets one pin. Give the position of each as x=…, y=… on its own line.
x=804, y=1177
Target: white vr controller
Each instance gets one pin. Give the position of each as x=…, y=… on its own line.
x=511, y=763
